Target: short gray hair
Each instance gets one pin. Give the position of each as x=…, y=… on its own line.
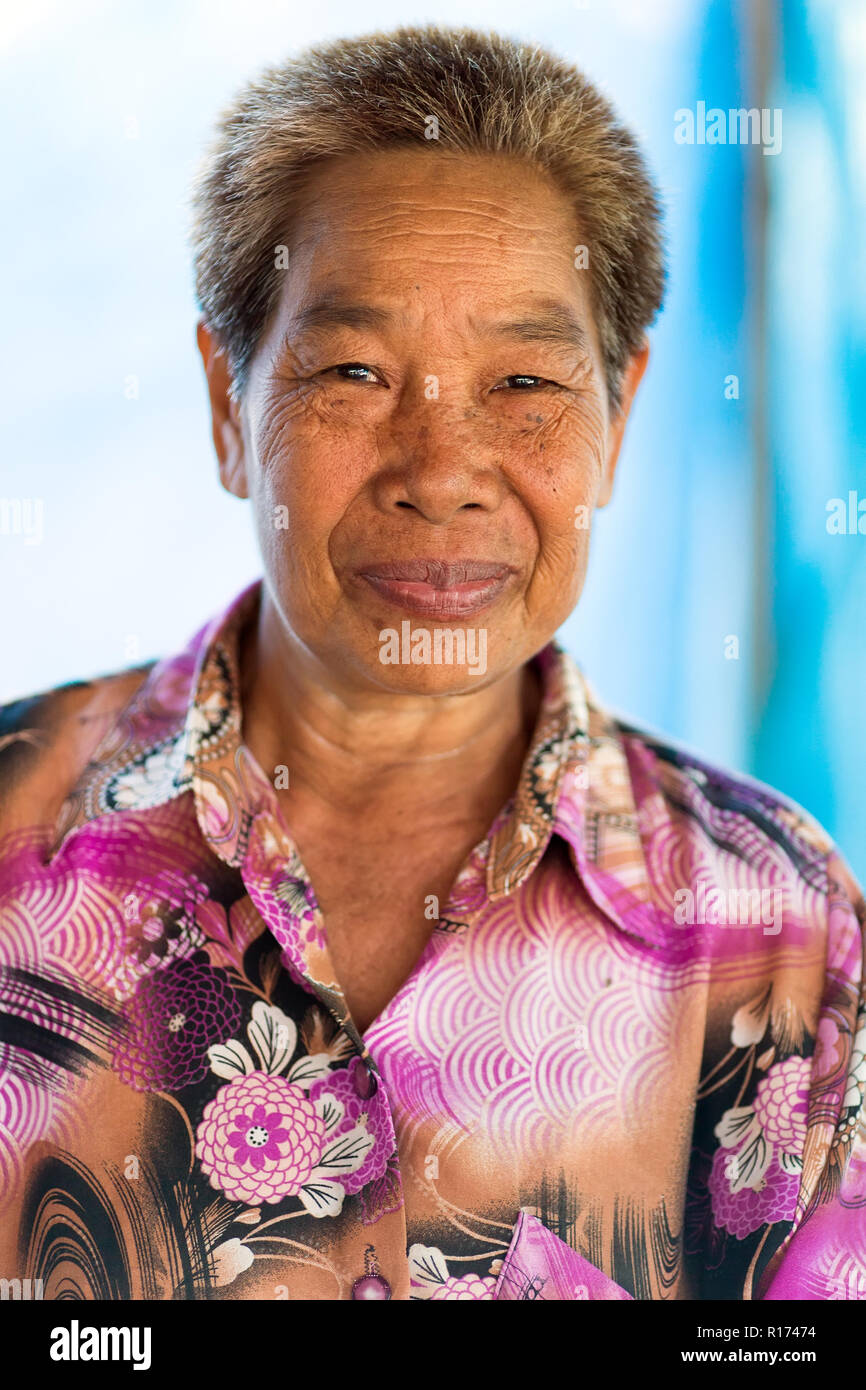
x=488, y=93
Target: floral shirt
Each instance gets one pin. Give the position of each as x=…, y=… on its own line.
x=628, y=1063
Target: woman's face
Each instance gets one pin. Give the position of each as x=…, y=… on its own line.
x=430, y=387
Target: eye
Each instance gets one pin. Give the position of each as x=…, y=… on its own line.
x=524, y=382
x=353, y=371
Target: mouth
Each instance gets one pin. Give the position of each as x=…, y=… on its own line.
x=438, y=588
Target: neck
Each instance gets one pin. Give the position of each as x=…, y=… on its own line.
x=400, y=761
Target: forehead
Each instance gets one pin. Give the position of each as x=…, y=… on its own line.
x=433, y=221
x=435, y=177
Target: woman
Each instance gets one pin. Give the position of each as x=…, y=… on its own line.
x=391, y=965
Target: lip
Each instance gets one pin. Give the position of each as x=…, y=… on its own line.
x=438, y=588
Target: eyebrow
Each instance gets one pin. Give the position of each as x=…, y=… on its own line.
x=330, y=312
x=556, y=323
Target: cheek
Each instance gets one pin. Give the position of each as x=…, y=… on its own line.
x=561, y=468
x=295, y=511
x=560, y=471
x=305, y=473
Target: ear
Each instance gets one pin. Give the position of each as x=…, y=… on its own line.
x=635, y=369
x=225, y=413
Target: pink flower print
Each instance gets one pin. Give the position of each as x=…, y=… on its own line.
x=350, y=1086
x=429, y=1278
x=466, y=1287
x=756, y=1172
x=469, y=890
x=773, y=1198
x=260, y=1139
x=782, y=1103
x=284, y=896
x=297, y=894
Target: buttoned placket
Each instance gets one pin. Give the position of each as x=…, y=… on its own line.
x=265, y=845
x=307, y=958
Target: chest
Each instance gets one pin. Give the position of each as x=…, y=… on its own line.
x=379, y=912
x=373, y=961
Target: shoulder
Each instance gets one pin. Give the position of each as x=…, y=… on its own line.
x=47, y=739
x=731, y=819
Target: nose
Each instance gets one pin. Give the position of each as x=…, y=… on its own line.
x=436, y=462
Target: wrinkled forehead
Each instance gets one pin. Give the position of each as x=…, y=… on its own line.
x=396, y=235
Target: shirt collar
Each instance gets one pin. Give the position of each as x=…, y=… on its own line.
x=184, y=714
x=182, y=732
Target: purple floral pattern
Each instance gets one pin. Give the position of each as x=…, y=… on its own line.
x=755, y=1177
x=176, y=1014
x=782, y=1103
x=743, y=1211
x=260, y=1139
x=350, y=1086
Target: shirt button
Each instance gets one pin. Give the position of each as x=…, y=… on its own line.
x=363, y=1079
